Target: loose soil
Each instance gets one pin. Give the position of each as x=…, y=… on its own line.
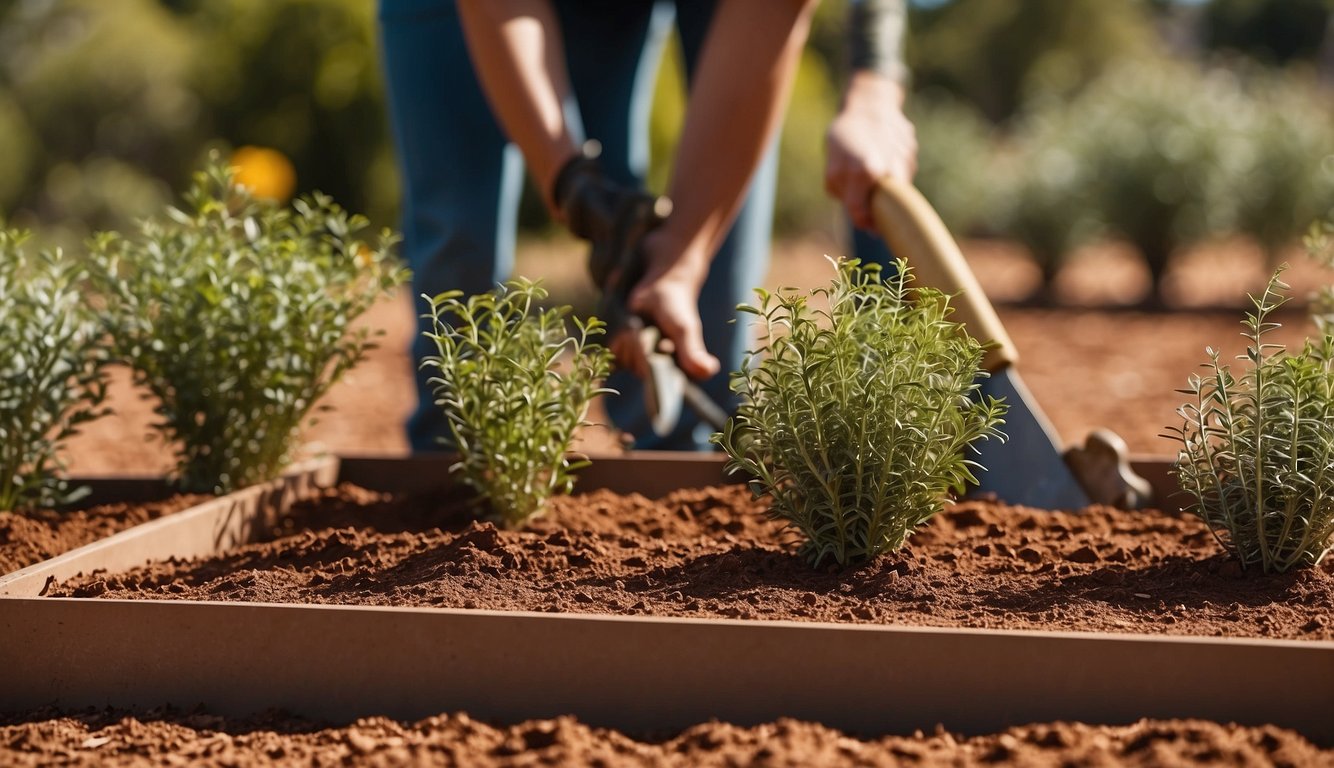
x=1094, y=359
x=175, y=738
x=31, y=537
x=712, y=552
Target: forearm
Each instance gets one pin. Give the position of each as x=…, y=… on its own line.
x=870, y=139
x=875, y=38
x=735, y=108
x=516, y=49
x=736, y=104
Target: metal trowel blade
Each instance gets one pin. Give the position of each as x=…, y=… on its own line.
x=1027, y=468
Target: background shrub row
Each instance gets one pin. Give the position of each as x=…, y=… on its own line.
x=1033, y=124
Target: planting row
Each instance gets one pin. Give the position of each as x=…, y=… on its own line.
x=860, y=406
x=234, y=313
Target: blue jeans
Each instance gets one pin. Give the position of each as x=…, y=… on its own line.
x=462, y=178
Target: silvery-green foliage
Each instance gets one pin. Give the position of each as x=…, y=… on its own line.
x=1320, y=247
x=514, y=385
x=1257, y=449
x=237, y=315
x=856, y=418
x=52, y=356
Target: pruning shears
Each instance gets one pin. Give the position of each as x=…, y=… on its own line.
x=617, y=264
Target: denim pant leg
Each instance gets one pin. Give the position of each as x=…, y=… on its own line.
x=461, y=179
x=870, y=249
x=738, y=267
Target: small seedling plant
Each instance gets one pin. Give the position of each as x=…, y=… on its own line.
x=1257, y=448
x=855, y=419
x=514, y=384
x=52, y=380
x=237, y=315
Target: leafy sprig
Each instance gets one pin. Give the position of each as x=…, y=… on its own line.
x=1319, y=242
x=236, y=314
x=855, y=419
x=512, y=410
x=52, y=380
x=1257, y=449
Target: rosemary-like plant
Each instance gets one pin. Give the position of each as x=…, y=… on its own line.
x=855, y=418
x=511, y=409
x=236, y=314
x=52, y=355
x=1257, y=450
x=1319, y=242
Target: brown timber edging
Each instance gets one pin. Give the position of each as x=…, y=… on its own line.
x=639, y=673
x=203, y=529
x=631, y=672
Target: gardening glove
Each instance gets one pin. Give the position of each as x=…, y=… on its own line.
x=614, y=219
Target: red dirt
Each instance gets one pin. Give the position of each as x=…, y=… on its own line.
x=713, y=553
x=174, y=738
x=1091, y=361
x=32, y=537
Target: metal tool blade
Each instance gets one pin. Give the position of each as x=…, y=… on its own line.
x=663, y=393
x=1027, y=468
x=667, y=388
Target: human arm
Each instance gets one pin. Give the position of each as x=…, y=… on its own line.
x=736, y=103
x=870, y=138
x=518, y=53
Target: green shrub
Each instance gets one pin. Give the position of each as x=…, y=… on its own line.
x=511, y=411
x=52, y=356
x=1257, y=450
x=855, y=419
x=1319, y=241
x=1287, y=179
x=1045, y=189
x=237, y=315
x=1164, y=150
x=954, y=159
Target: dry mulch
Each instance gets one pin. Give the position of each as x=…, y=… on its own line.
x=713, y=552
x=31, y=537
x=175, y=738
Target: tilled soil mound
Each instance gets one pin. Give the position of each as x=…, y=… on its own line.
x=166, y=738
x=712, y=552
x=31, y=537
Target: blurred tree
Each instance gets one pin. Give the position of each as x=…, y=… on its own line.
x=1287, y=179
x=106, y=107
x=1164, y=155
x=1044, y=188
x=302, y=77
x=100, y=100
x=955, y=161
x=1272, y=31
x=995, y=55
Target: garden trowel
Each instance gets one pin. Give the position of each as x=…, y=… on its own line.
x=1028, y=467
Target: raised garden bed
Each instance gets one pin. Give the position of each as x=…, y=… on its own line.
x=112, y=505
x=125, y=520
x=605, y=609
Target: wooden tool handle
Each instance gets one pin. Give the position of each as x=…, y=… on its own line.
x=914, y=232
